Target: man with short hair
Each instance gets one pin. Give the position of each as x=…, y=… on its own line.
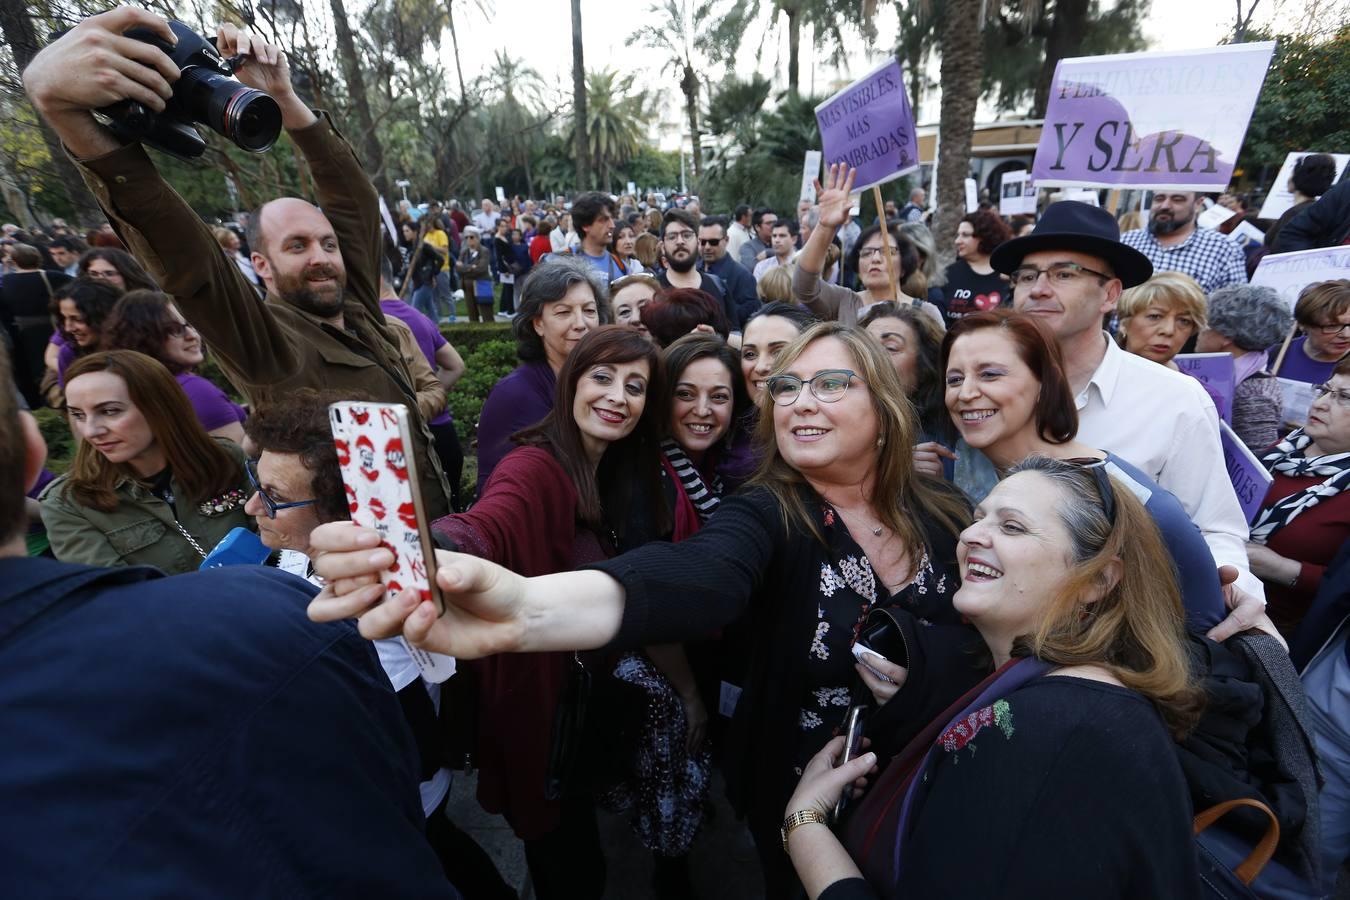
x=679, y=242
x=738, y=232
x=784, y=239
x=485, y=220
x=593, y=219
x=321, y=325
x=65, y=252
x=740, y=284
x=757, y=247
x=913, y=210
x=215, y=740
x=1069, y=273
x=1173, y=242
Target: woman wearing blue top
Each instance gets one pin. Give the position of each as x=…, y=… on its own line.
x=1008, y=395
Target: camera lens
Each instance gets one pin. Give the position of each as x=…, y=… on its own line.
x=252, y=120
x=246, y=116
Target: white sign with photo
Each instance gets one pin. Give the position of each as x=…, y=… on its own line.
x=1280, y=198
x=1018, y=194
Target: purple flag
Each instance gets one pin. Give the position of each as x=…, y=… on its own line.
x=1151, y=120
x=870, y=126
x=1250, y=479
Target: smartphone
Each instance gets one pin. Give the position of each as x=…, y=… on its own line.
x=374, y=449
x=853, y=738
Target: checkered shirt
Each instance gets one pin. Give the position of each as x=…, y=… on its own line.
x=1206, y=256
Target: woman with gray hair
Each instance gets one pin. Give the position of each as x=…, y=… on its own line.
x=560, y=300
x=922, y=238
x=1244, y=321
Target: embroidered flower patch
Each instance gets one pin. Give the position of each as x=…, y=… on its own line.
x=818, y=648
x=829, y=580
x=809, y=720
x=955, y=738
x=831, y=696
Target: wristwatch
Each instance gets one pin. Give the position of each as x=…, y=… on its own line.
x=799, y=818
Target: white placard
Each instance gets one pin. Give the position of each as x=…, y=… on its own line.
x=810, y=172
x=1018, y=194
x=1088, y=197
x=632, y=190
x=1246, y=233
x=1280, y=198
x=1290, y=273
x=501, y=194
x=972, y=195
x=1298, y=396
x=1213, y=217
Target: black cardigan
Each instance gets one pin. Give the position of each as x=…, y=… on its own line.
x=744, y=559
x=1076, y=794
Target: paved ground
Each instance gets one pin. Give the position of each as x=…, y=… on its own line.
x=723, y=862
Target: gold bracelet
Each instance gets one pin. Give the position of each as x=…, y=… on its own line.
x=800, y=818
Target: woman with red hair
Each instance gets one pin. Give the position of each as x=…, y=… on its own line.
x=972, y=284
x=673, y=313
x=1008, y=396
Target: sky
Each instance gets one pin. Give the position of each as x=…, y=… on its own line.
x=540, y=31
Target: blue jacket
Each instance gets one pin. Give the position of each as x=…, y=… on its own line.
x=740, y=287
x=198, y=736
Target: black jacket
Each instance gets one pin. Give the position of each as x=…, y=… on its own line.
x=1325, y=223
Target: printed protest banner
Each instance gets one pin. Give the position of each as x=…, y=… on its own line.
x=1172, y=119
x=1215, y=372
x=1280, y=198
x=870, y=126
x=1246, y=234
x=1290, y=273
x=1249, y=478
x=1017, y=194
x=1213, y=217
x=810, y=172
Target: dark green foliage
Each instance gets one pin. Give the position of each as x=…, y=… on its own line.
x=56, y=432
x=765, y=162
x=484, y=366
x=1304, y=105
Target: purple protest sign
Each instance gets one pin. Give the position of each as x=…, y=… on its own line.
x=870, y=126
x=1152, y=120
x=1249, y=478
x=1215, y=371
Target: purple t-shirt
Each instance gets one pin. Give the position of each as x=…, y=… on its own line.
x=64, y=357
x=213, y=407
x=428, y=336
x=1298, y=366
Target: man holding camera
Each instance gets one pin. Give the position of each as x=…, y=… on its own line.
x=321, y=325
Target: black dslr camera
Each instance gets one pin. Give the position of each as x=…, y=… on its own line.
x=205, y=93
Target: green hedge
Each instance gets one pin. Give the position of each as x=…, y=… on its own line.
x=467, y=336
x=60, y=443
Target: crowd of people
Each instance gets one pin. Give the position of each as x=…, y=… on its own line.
x=755, y=480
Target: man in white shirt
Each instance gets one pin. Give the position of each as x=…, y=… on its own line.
x=784, y=245
x=738, y=232
x=485, y=220
x=1069, y=273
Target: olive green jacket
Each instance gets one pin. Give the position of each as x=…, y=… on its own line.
x=269, y=349
x=141, y=530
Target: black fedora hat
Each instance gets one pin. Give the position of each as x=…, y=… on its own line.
x=1083, y=228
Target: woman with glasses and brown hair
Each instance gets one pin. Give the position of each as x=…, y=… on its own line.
x=835, y=524
x=868, y=258
x=1323, y=314
x=117, y=267
x=148, y=485
x=149, y=323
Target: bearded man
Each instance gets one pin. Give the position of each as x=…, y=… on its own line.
x=1174, y=243
x=321, y=325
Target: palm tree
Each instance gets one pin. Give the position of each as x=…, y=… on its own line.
x=683, y=37
x=511, y=123
x=579, y=101
x=962, y=70
x=825, y=17
x=616, y=117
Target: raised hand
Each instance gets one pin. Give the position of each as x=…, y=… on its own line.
x=832, y=198
x=264, y=68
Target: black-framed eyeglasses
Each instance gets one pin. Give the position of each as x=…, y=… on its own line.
x=272, y=506
x=1062, y=273
x=1339, y=397
x=1333, y=328
x=827, y=386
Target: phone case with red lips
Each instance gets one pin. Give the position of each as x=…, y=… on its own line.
x=380, y=479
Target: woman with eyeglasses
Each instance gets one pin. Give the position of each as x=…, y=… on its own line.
x=1323, y=314
x=117, y=267
x=1008, y=396
x=148, y=485
x=149, y=323
x=835, y=524
x=868, y=258
x=1305, y=517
